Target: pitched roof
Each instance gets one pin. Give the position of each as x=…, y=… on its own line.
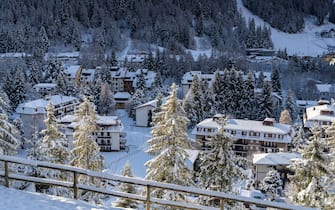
x=273, y=159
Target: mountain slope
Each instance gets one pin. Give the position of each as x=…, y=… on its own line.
x=308, y=42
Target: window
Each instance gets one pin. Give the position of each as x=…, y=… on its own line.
x=233, y=132
x=251, y=133
x=244, y=133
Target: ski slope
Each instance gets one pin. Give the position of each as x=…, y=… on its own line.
x=305, y=43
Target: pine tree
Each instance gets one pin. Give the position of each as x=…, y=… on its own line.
x=217, y=90
x=285, y=117
x=127, y=188
x=220, y=167
x=54, y=144
x=106, y=103
x=17, y=94
x=9, y=135
x=193, y=103
x=62, y=84
x=309, y=182
x=43, y=40
x=168, y=143
x=275, y=81
x=86, y=151
x=290, y=104
x=271, y=184
x=248, y=98
x=140, y=82
x=137, y=99
x=265, y=105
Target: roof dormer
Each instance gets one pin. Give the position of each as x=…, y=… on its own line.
x=269, y=121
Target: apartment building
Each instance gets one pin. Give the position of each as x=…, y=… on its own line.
x=109, y=134
x=33, y=113
x=250, y=136
x=321, y=115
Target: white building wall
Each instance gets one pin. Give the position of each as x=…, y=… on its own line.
x=115, y=141
x=142, y=115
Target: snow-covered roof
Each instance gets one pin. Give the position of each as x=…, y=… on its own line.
x=45, y=85
x=274, y=159
x=152, y=103
x=149, y=77
x=63, y=55
x=101, y=120
x=14, y=55
x=122, y=95
x=39, y=105
x=306, y=103
x=188, y=76
x=71, y=71
x=324, y=88
x=88, y=74
x=314, y=113
x=135, y=58
x=246, y=125
x=267, y=75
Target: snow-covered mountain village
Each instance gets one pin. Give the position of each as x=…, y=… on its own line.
x=202, y=104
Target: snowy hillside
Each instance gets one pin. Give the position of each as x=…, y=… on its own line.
x=11, y=199
x=307, y=42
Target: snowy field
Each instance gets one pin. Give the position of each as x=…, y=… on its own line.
x=136, y=142
x=12, y=199
x=306, y=42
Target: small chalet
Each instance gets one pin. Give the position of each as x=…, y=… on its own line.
x=263, y=162
x=44, y=89
x=144, y=113
x=109, y=134
x=121, y=99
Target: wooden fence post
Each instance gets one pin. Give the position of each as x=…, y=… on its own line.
x=6, y=174
x=75, y=185
x=222, y=204
x=147, y=202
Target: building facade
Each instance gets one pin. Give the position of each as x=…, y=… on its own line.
x=321, y=115
x=109, y=134
x=33, y=113
x=249, y=136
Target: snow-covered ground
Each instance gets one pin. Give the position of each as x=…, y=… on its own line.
x=12, y=199
x=306, y=42
x=136, y=142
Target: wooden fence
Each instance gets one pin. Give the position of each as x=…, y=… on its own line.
x=75, y=185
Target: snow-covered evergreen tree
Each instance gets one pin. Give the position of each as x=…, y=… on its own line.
x=219, y=167
x=248, y=98
x=217, y=90
x=54, y=144
x=193, y=103
x=168, y=143
x=9, y=135
x=275, y=81
x=62, y=84
x=265, y=105
x=285, y=117
x=86, y=152
x=137, y=99
x=106, y=103
x=272, y=184
x=309, y=184
x=290, y=104
x=140, y=82
x=127, y=188
x=208, y=102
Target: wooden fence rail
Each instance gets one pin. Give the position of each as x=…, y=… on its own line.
x=149, y=185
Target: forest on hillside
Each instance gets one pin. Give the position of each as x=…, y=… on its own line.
x=105, y=24
x=288, y=15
